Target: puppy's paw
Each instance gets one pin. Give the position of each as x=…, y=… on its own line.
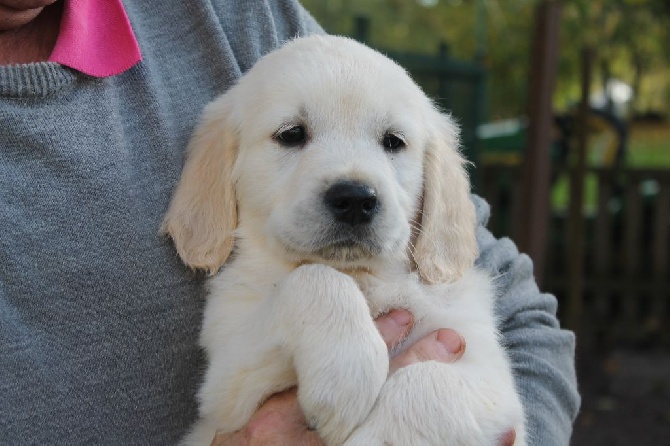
x=339, y=356
x=432, y=403
x=338, y=408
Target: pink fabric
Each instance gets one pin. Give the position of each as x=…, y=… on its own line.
x=96, y=38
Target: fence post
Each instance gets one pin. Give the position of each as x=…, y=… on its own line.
x=443, y=85
x=362, y=28
x=479, y=117
x=575, y=250
x=533, y=217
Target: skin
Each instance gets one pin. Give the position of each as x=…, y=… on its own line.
x=28, y=32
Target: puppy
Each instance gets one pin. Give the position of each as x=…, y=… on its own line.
x=334, y=191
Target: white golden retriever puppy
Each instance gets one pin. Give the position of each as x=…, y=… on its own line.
x=334, y=191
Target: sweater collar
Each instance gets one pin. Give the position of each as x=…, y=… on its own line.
x=96, y=38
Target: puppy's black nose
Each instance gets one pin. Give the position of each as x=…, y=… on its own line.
x=352, y=202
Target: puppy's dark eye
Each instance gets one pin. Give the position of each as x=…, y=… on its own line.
x=393, y=143
x=291, y=135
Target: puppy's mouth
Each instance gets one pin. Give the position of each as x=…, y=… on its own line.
x=340, y=245
x=342, y=250
x=346, y=251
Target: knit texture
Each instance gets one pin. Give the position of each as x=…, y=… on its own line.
x=98, y=317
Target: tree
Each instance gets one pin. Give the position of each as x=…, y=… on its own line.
x=630, y=38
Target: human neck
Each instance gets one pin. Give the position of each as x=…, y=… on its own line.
x=34, y=41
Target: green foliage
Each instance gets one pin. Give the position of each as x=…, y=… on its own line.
x=630, y=37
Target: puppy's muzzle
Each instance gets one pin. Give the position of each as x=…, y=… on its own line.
x=352, y=203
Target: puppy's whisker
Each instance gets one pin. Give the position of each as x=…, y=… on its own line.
x=417, y=230
x=417, y=227
x=411, y=250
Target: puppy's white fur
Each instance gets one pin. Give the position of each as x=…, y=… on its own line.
x=295, y=302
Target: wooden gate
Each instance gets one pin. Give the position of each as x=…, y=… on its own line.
x=626, y=295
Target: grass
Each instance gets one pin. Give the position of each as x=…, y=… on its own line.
x=648, y=147
x=560, y=194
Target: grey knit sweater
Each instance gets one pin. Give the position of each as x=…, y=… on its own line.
x=98, y=317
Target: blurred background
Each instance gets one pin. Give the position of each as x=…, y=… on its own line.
x=564, y=111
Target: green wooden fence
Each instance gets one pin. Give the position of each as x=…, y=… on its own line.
x=456, y=86
x=626, y=294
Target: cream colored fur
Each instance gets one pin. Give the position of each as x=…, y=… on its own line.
x=281, y=312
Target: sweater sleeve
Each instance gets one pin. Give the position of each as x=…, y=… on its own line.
x=253, y=28
x=542, y=353
x=299, y=21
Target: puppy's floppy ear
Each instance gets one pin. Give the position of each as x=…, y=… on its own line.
x=446, y=246
x=202, y=215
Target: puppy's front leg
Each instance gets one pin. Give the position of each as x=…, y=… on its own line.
x=432, y=403
x=340, y=358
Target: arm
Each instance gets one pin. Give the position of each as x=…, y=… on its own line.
x=542, y=353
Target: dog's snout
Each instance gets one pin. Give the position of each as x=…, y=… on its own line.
x=352, y=203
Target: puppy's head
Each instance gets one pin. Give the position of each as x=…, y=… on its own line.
x=326, y=151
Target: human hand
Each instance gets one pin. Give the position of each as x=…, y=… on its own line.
x=443, y=345
x=281, y=421
x=278, y=421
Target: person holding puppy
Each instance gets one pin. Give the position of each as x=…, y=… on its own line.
x=98, y=317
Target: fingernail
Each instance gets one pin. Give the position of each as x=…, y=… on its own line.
x=452, y=341
x=401, y=317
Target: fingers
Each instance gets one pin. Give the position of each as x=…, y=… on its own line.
x=394, y=326
x=278, y=421
x=222, y=439
x=508, y=439
x=443, y=345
